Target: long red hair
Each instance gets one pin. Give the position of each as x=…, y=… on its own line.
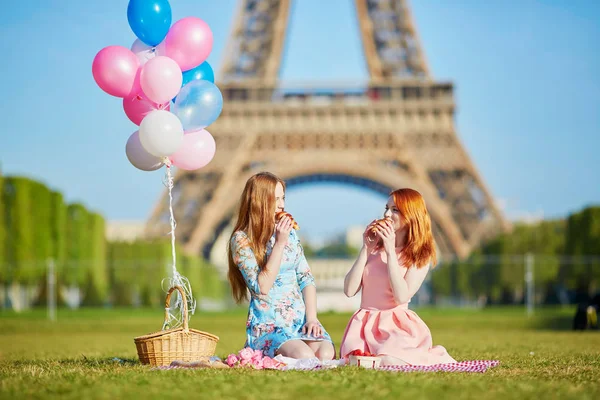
x=256, y=219
x=420, y=248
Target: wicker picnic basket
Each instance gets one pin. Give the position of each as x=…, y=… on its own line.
x=182, y=344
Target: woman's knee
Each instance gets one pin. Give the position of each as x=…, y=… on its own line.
x=296, y=349
x=325, y=351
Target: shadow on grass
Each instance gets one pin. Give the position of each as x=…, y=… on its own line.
x=82, y=361
x=563, y=320
x=554, y=323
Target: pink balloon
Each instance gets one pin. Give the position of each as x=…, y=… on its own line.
x=137, y=87
x=189, y=42
x=114, y=69
x=137, y=107
x=197, y=150
x=161, y=79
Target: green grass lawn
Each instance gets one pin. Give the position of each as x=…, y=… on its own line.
x=73, y=358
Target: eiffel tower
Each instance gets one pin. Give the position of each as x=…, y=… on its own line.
x=397, y=131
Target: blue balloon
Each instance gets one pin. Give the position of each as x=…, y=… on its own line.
x=202, y=72
x=150, y=20
x=198, y=104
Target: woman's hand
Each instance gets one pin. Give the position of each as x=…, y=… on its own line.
x=369, y=240
x=282, y=231
x=388, y=235
x=313, y=328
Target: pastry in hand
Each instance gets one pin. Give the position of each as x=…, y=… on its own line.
x=375, y=228
x=281, y=214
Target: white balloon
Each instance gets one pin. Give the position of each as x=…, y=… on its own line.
x=161, y=133
x=144, y=52
x=138, y=156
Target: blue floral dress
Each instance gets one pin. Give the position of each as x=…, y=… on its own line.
x=275, y=318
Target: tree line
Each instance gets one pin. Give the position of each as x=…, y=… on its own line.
x=564, y=256
x=38, y=225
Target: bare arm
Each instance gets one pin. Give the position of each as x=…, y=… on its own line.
x=353, y=279
x=267, y=277
x=309, y=293
x=404, y=283
x=306, y=283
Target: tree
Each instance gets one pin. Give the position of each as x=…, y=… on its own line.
x=3, y=263
x=78, y=245
x=58, y=227
x=123, y=280
x=336, y=250
x=41, y=213
x=20, y=253
x=97, y=280
x=582, y=239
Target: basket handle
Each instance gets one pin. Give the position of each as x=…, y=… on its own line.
x=183, y=301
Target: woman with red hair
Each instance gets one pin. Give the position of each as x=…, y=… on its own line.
x=396, y=255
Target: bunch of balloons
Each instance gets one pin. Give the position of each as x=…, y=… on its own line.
x=166, y=64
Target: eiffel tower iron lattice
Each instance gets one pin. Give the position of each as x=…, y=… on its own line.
x=396, y=132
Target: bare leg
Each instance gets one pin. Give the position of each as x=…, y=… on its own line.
x=324, y=350
x=296, y=349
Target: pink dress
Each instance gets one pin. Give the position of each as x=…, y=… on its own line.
x=383, y=327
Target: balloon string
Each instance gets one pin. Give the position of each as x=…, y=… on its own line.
x=175, y=314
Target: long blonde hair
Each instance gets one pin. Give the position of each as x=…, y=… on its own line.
x=256, y=219
x=420, y=248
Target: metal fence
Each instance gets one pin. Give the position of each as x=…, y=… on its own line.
x=527, y=279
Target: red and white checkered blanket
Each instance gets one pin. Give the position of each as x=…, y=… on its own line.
x=462, y=366
x=314, y=365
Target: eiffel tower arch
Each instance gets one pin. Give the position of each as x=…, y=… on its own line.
x=397, y=131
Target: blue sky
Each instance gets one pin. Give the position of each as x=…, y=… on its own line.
x=527, y=77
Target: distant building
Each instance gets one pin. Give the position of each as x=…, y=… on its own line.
x=126, y=231
x=354, y=236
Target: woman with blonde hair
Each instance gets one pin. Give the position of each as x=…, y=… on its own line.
x=267, y=260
